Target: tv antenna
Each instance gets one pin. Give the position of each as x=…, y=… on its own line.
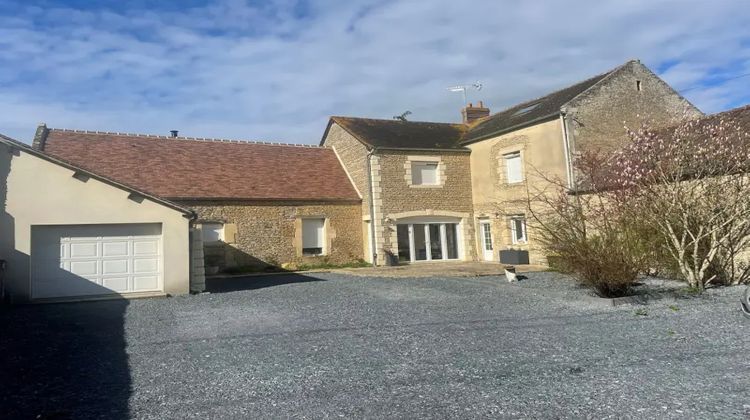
x=402, y=117
x=463, y=88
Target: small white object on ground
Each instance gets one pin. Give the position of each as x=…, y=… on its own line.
x=510, y=274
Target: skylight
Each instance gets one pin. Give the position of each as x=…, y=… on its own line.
x=526, y=109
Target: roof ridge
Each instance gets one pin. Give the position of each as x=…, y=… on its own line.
x=539, y=98
x=183, y=138
x=727, y=111
x=396, y=121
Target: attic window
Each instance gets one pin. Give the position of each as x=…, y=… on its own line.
x=526, y=109
x=638, y=85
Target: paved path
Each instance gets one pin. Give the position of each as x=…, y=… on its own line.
x=349, y=347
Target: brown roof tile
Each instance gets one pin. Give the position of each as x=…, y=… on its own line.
x=204, y=169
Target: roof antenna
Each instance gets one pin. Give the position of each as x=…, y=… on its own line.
x=402, y=117
x=462, y=88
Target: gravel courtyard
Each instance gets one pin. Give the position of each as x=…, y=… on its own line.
x=332, y=345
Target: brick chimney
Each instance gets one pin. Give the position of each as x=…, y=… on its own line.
x=472, y=113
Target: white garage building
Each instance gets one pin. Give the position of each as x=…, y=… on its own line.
x=66, y=233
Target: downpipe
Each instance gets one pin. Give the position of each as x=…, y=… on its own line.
x=373, y=242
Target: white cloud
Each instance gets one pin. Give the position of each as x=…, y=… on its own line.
x=277, y=71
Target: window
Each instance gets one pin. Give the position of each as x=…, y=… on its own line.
x=212, y=232
x=518, y=229
x=427, y=241
x=312, y=236
x=638, y=85
x=513, y=167
x=424, y=173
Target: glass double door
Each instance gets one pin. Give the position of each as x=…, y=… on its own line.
x=427, y=241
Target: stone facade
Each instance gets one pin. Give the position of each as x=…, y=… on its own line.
x=399, y=199
x=497, y=201
x=473, y=186
x=394, y=196
x=594, y=121
x=261, y=234
x=631, y=96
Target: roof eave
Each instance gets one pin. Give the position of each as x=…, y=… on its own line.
x=266, y=199
x=435, y=149
x=42, y=155
x=535, y=121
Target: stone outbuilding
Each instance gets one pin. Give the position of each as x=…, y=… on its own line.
x=257, y=204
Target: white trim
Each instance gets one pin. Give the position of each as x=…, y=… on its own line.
x=428, y=212
x=440, y=175
x=483, y=240
x=525, y=239
x=443, y=238
x=566, y=150
x=507, y=157
x=424, y=158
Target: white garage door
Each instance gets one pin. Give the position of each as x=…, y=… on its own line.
x=87, y=260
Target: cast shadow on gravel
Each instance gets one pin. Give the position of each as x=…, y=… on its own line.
x=64, y=361
x=235, y=284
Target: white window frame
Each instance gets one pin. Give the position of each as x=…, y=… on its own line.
x=217, y=227
x=427, y=240
x=507, y=157
x=321, y=240
x=416, y=164
x=514, y=240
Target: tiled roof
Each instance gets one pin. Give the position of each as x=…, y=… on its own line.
x=117, y=184
x=431, y=135
x=529, y=112
x=704, y=126
x=184, y=168
x=395, y=134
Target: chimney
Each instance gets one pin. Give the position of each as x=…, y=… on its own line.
x=173, y=133
x=472, y=113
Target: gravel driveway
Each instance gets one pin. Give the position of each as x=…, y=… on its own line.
x=340, y=346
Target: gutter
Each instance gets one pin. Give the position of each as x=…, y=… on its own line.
x=513, y=128
x=373, y=242
x=566, y=148
x=427, y=149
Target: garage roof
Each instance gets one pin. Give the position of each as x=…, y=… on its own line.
x=184, y=168
x=15, y=144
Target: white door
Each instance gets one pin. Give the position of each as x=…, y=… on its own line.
x=89, y=260
x=485, y=231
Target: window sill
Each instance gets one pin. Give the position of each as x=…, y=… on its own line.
x=425, y=186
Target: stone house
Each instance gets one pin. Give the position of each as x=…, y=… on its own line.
x=415, y=179
x=478, y=175
x=256, y=204
x=385, y=190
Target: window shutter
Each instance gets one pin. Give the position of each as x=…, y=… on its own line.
x=513, y=167
x=424, y=173
x=230, y=233
x=312, y=233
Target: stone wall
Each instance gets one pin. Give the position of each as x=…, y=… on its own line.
x=353, y=156
x=269, y=233
x=632, y=96
x=396, y=197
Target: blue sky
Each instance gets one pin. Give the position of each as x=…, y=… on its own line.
x=276, y=70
